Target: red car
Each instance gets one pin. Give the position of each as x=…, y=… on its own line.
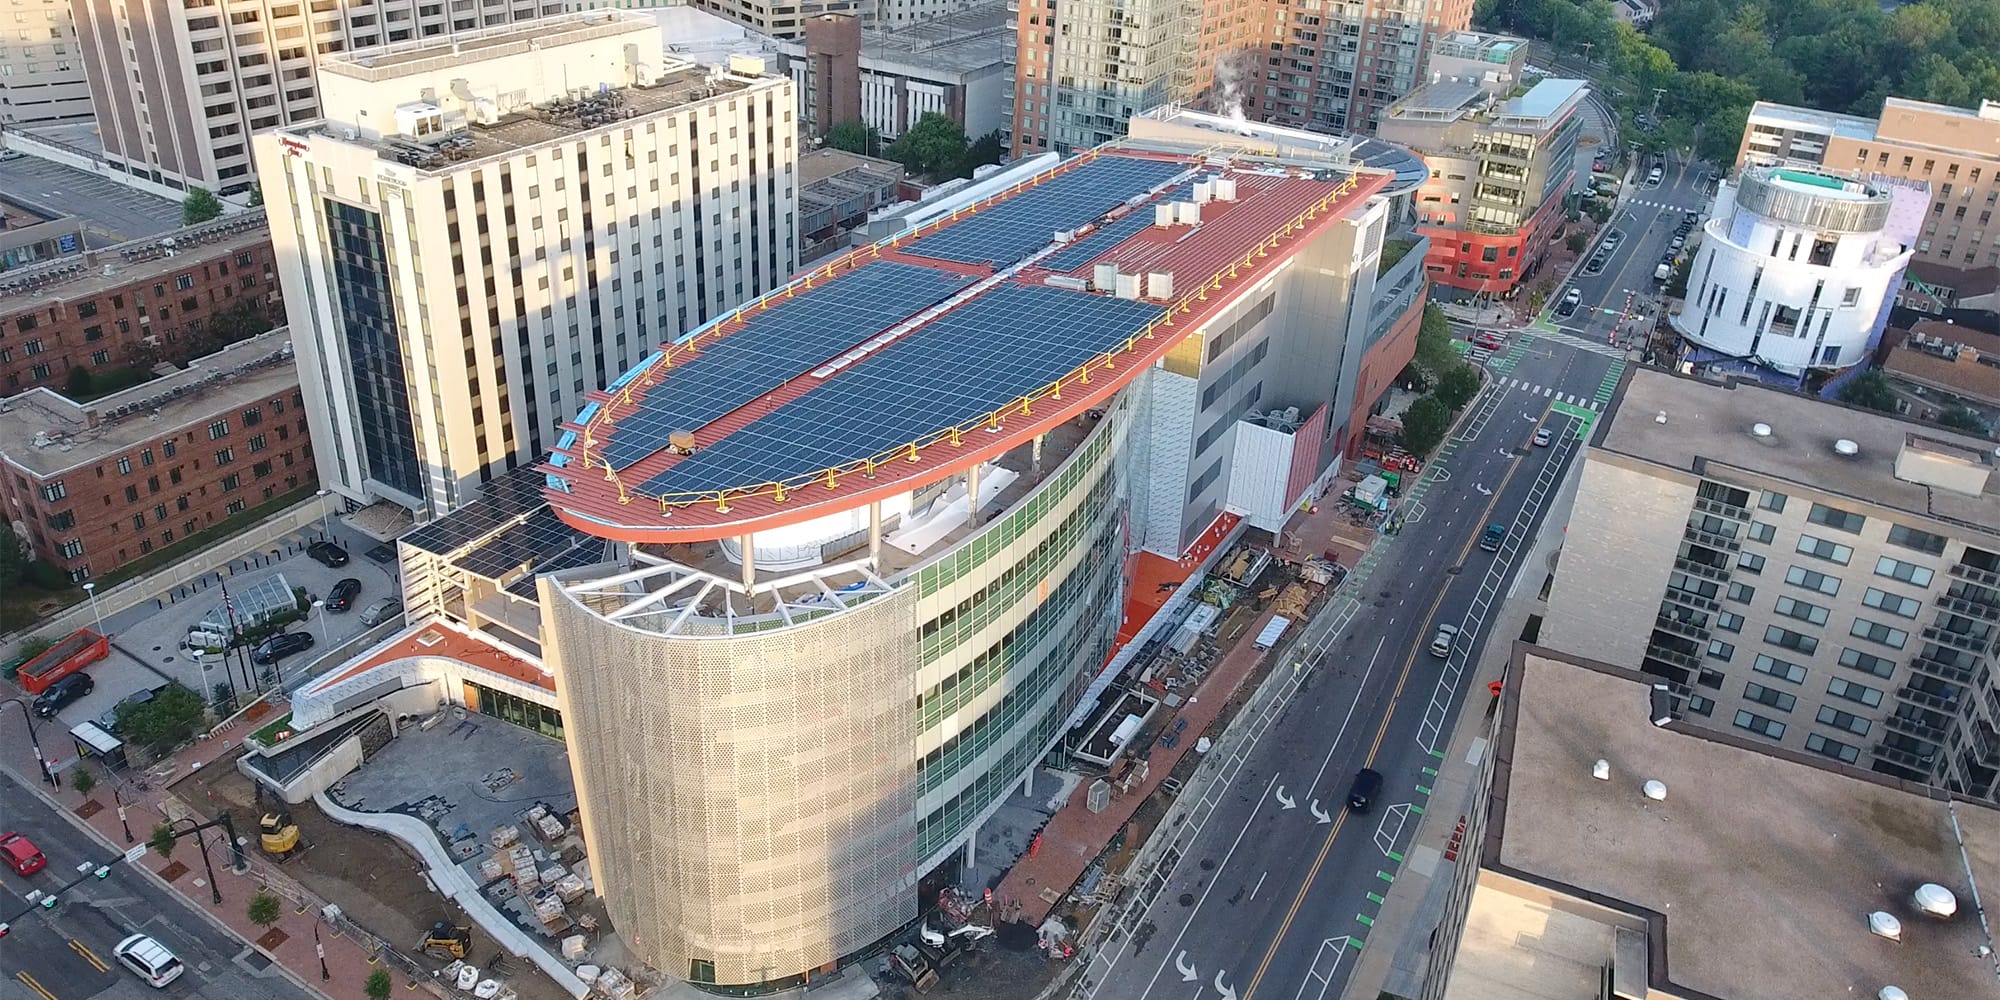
x=1489, y=339
x=21, y=854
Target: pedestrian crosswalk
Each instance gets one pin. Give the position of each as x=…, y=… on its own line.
x=1651, y=203
x=1547, y=392
x=1580, y=343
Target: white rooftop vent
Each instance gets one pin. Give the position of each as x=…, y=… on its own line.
x=1104, y=276
x=1760, y=430
x=1885, y=925
x=1128, y=286
x=1846, y=448
x=1225, y=189
x=1187, y=213
x=1891, y=993
x=1160, y=285
x=1662, y=418
x=1601, y=770
x=1163, y=214
x=1655, y=790
x=1203, y=191
x=1935, y=900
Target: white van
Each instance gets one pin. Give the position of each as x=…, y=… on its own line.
x=149, y=960
x=1663, y=272
x=1654, y=177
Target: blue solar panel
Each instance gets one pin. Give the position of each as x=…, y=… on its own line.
x=975, y=359
x=1105, y=237
x=1007, y=232
x=793, y=337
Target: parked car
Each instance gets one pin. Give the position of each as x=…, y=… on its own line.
x=1691, y=218
x=21, y=854
x=327, y=554
x=61, y=693
x=1679, y=242
x=1570, y=300
x=341, y=597
x=1495, y=536
x=1446, y=637
x=280, y=646
x=1361, y=794
x=1543, y=437
x=381, y=611
x=1595, y=264
x=1654, y=175
x=149, y=960
x=109, y=720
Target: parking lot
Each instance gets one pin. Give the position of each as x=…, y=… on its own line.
x=147, y=642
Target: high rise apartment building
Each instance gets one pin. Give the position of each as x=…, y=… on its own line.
x=1334, y=66
x=1816, y=578
x=483, y=229
x=41, y=66
x=1954, y=150
x=180, y=85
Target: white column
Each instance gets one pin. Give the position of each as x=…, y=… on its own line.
x=1028, y=783
x=875, y=534
x=972, y=493
x=1038, y=452
x=749, y=563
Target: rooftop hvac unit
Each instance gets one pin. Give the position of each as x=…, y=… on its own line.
x=1187, y=213
x=1203, y=191
x=1160, y=285
x=1225, y=189
x=1103, y=276
x=1163, y=214
x=1128, y=286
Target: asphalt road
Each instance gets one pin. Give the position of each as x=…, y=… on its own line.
x=1647, y=220
x=1277, y=888
x=66, y=953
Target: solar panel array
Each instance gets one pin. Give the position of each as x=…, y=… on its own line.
x=1020, y=225
x=540, y=535
x=794, y=336
x=1105, y=237
x=977, y=358
x=590, y=552
x=500, y=501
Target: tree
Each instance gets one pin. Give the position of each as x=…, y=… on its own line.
x=378, y=986
x=984, y=150
x=1458, y=386
x=855, y=137
x=1963, y=418
x=257, y=196
x=1869, y=390
x=78, y=383
x=165, y=720
x=241, y=321
x=1576, y=242
x=1424, y=424
x=82, y=780
x=199, y=206
x=43, y=575
x=1434, y=351
x=162, y=840
x=263, y=910
x=14, y=556
x=934, y=147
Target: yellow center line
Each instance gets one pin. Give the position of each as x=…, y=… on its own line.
x=1374, y=748
x=29, y=982
x=88, y=955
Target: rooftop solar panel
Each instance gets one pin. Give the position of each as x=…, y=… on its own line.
x=792, y=337
x=980, y=356
x=1107, y=236
x=1005, y=233
x=590, y=552
x=540, y=535
x=511, y=496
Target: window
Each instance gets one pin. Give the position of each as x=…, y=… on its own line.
x=1837, y=519
x=54, y=490
x=1895, y=604
x=1841, y=687
x=72, y=549
x=1855, y=659
x=124, y=466
x=131, y=494
x=1717, y=649
x=1788, y=639
x=1760, y=725
x=146, y=457
x=225, y=456
x=1820, y=548
x=1711, y=679
x=1878, y=632
x=1784, y=670
x=1802, y=610
x=1799, y=576
x=1761, y=532
x=168, y=449
x=1769, y=697
x=1916, y=541
x=1750, y=562
x=237, y=506
x=1699, y=705
x=1896, y=569
x=218, y=430
x=1728, y=622
x=1832, y=748
x=1830, y=716
x=258, y=442
x=62, y=522
x=1773, y=502
x=1742, y=593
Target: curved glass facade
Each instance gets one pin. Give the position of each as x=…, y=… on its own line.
x=761, y=804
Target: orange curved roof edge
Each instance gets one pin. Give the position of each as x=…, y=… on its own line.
x=594, y=505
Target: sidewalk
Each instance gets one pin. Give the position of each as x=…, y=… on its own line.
x=288, y=942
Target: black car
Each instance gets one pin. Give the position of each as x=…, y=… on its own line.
x=109, y=720
x=327, y=554
x=1367, y=784
x=341, y=597
x=280, y=646
x=61, y=693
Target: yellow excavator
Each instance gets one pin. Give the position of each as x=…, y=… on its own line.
x=449, y=940
x=278, y=833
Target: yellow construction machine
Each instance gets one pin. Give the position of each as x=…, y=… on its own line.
x=279, y=835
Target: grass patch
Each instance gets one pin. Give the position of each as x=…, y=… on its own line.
x=104, y=383
x=230, y=528
x=269, y=734
x=1393, y=251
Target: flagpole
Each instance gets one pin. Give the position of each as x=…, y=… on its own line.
x=235, y=637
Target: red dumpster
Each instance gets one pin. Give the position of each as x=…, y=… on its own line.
x=75, y=652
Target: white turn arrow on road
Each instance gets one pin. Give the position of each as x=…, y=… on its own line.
x=1227, y=993
x=1187, y=971
x=1284, y=800
x=1483, y=491
x=1319, y=815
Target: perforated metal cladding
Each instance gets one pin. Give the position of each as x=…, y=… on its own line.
x=753, y=799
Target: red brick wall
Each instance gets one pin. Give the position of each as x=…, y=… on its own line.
x=1379, y=368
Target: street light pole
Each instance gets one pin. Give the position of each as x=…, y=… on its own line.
x=325, y=518
x=91, y=590
x=41, y=763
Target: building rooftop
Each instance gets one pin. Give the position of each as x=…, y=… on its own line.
x=1810, y=120
x=1359, y=154
x=1713, y=423
x=1443, y=100
x=1956, y=359
x=424, y=55
x=1478, y=45
x=960, y=42
x=1759, y=869
x=708, y=39
x=1549, y=98
x=45, y=433
x=86, y=276
x=913, y=359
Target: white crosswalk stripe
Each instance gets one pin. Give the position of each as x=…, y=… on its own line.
x=1580, y=343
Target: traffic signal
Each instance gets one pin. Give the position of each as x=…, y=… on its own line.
x=49, y=902
x=103, y=871
x=4, y=928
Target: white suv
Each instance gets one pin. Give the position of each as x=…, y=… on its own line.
x=1447, y=637
x=149, y=960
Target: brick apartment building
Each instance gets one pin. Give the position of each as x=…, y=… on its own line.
x=94, y=486
x=164, y=298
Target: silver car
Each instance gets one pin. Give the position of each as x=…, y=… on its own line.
x=1447, y=637
x=381, y=611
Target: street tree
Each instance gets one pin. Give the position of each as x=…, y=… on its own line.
x=163, y=721
x=162, y=840
x=378, y=985
x=855, y=137
x=1424, y=424
x=1869, y=390
x=264, y=910
x=1458, y=386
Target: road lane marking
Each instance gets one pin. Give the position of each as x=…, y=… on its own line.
x=29, y=982
x=1342, y=731
x=88, y=955
x=1173, y=948
x=1259, y=885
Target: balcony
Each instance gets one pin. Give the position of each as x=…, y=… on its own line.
x=1688, y=599
x=1983, y=577
x=1956, y=640
x=1916, y=728
x=1674, y=657
x=1942, y=670
x=1928, y=699
x=1701, y=569
x=1712, y=540
x=1970, y=608
x=1686, y=630
x=1720, y=509
x=1898, y=755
